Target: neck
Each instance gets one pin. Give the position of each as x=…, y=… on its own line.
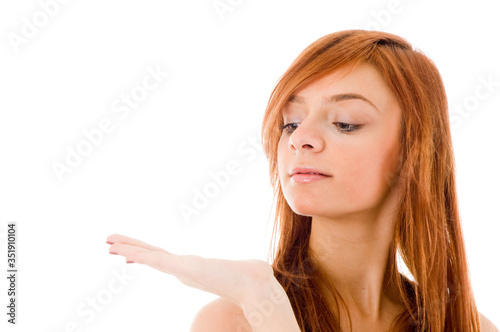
x=353, y=252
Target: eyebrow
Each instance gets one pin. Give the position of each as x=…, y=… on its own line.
x=334, y=99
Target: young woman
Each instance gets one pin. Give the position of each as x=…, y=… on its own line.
x=358, y=139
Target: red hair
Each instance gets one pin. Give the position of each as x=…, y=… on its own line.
x=428, y=234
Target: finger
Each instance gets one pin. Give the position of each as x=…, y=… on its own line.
x=125, y=249
x=187, y=268
x=165, y=262
x=118, y=238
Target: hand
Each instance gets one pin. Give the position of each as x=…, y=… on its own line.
x=248, y=283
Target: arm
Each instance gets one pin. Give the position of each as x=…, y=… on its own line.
x=269, y=310
x=486, y=324
x=249, y=284
x=220, y=315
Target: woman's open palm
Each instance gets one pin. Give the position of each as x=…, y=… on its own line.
x=234, y=280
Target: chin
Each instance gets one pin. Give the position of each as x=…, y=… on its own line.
x=305, y=208
x=313, y=209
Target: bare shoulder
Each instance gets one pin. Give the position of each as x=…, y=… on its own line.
x=486, y=324
x=220, y=315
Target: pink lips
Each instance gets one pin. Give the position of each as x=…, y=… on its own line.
x=308, y=174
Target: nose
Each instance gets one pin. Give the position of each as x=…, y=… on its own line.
x=306, y=137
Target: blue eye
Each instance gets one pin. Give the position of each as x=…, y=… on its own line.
x=343, y=127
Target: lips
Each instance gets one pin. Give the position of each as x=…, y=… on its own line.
x=308, y=175
x=308, y=170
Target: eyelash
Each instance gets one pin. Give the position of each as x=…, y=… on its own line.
x=343, y=131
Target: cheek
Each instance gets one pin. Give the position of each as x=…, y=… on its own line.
x=280, y=155
x=282, y=161
x=367, y=172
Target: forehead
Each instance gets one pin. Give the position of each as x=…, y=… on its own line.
x=363, y=83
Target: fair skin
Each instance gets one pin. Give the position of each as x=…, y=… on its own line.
x=352, y=210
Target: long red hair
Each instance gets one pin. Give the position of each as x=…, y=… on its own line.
x=428, y=235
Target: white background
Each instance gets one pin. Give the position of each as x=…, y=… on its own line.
x=65, y=78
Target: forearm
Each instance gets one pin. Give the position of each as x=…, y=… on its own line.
x=268, y=309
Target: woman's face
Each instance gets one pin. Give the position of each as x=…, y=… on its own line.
x=347, y=128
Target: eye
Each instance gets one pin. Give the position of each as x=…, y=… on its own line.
x=342, y=127
x=346, y=127
x=288, y=127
